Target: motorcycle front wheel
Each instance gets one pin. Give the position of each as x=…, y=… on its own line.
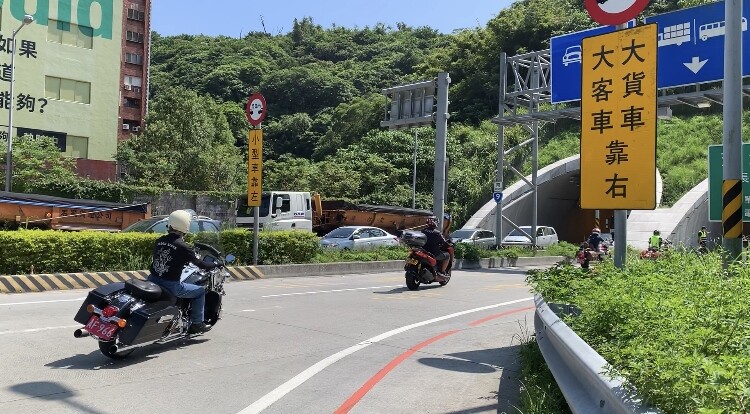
x=412, y=282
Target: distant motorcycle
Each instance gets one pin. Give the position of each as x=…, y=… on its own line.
x=124, y=316
x=421, y=267
x=586, y=254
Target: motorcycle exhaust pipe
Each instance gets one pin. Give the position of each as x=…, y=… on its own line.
x=81, y=333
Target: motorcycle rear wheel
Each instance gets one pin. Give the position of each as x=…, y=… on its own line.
x=106, y=349
x=411, y=280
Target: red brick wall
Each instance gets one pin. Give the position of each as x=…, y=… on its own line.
x=97, y=169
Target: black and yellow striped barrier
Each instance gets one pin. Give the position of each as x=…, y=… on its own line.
x=731, y=215
x=91, y=280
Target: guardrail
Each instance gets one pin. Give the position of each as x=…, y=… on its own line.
x=580, y=372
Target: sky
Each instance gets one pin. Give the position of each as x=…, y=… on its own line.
x=235, y=18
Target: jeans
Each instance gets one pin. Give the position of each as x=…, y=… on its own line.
x=187, y=291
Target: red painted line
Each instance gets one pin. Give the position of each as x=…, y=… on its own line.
x=375, y=379
x=354, y=399
x=499, y=315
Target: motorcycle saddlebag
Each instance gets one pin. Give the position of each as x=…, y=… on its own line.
x=96, y=297
x=149, y=323
x=414, y=238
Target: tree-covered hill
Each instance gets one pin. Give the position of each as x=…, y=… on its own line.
x=323, y=88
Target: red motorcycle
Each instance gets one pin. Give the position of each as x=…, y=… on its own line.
x=421, y=267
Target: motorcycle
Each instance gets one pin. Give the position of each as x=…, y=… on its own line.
x=124, y=316
x=420, y=266
x=586, y=254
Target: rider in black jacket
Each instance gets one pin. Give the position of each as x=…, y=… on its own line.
x=435, y=244
x=171, y=254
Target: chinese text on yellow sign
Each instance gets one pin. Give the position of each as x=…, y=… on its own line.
x=618, y=120
x=254, y=166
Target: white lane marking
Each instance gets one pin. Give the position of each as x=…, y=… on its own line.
x=38, y=329
x=287, y=387
x=41, y=301
x=328, y=291
x=248, y=310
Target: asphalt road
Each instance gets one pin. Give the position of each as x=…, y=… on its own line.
x=362, y=343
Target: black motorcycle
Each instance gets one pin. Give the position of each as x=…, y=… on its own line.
x=421, y=267
x=124, y=316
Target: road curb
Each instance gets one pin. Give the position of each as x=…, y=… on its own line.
x=91, y=280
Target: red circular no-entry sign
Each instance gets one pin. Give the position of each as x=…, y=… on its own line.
x=612, y=12
x=255, y=109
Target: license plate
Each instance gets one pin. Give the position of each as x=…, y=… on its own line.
x=411, y=261
x=102, y=330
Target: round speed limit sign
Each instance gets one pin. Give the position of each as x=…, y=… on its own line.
x=256, y=109
x=612, y=12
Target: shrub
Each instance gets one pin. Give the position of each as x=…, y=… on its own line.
x=467, y=252
x=41, y=251
x=676, y=327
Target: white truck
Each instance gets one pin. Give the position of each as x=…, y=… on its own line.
x=290, y=210
x=279, y=210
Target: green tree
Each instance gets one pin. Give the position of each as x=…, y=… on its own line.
x=37, y=161
x=187, y=144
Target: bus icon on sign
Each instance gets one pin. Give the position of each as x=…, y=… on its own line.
x=714, y=29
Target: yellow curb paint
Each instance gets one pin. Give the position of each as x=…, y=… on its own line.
x=31, y=286
x=42, y=282
x=73, y=281
x=15, y=284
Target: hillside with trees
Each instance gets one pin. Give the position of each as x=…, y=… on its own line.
x=323, y=88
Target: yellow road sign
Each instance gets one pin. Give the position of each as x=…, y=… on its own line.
x=254, y=167
x=618, y=120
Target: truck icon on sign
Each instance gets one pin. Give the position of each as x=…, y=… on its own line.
x=674, y=35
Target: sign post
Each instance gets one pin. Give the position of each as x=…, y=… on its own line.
x=256, y=112
x=618, y=125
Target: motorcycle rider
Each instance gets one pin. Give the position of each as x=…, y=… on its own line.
x=702, y=237
x=435, y=244
x=655, y=241
x=171, y=254
x=595, y=239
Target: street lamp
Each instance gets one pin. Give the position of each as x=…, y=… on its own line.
x=9, y=156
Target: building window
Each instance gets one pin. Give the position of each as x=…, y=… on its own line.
x=70, y=34
x=67, y=90
x=131, y=103
x=135, y=14
x=133, y=58
x=134, y=37
x=76, y=147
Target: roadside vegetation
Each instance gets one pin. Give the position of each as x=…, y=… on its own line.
x=676, y=328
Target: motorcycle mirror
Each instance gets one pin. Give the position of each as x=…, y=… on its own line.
x=230, y=258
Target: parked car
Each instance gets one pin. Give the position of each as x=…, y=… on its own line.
x=158, y=224
x=545, y=236
x=358, y=238
x=478, y=237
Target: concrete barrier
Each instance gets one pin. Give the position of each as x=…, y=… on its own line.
x=91, y=280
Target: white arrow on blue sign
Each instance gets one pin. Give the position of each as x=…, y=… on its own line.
x=691, y=44
x=498, y=196
x=565, y=53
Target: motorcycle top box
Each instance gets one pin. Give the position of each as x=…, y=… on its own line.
x=414, y=238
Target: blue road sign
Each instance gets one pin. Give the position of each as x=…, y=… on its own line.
x=691, y=44
x=565, y=53
x=498, y=196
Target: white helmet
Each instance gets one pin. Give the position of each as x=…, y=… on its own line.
x=179, y=220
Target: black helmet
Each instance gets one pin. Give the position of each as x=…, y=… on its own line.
x=431, y=222
x=656, y=232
